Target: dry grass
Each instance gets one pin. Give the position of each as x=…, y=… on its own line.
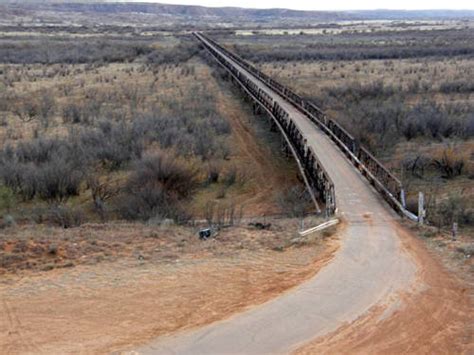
x=42, y=248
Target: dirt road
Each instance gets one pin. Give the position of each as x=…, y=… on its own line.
x=372, y=269
x=99, y=308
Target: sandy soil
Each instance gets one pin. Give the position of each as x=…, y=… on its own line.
x=272, y=173
x=115, y=305
x=435, y=318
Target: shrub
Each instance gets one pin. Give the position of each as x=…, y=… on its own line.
x=39, y=150
x=101, y=192
x=6, y=198
x=65, y=217
x=417, y=165
x=8, y=221
x=174, y=55
x=20, y=178
x=49, y=169
x=213, y=172
x=459, y=86
x=194, y=128
x=449, y=162
x=112, y=145
x=60, y=50
x=453, y=209
x=46, y=105
x=379, y=116
x=72, y=113
x=156, y=187
x=25, y=109
x=294, y=202
x=58, y=180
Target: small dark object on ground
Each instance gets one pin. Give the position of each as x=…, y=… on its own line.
x=205, y=234
x=53, y=249
x=259, y=225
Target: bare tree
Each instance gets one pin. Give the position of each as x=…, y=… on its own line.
x=101, y=191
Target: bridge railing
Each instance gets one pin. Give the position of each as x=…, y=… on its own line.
x=319, y=179
x=378, y=175
x=316, y=178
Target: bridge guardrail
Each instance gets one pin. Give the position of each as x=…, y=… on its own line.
x=377, y=174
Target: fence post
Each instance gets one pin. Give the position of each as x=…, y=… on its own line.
x=455, y=231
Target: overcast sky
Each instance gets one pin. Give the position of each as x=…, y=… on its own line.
x=331, y=4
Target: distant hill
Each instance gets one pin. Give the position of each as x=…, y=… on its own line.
x=54, y=11
x=413, y=14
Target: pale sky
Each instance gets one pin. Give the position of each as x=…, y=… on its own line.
x=331, y=4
